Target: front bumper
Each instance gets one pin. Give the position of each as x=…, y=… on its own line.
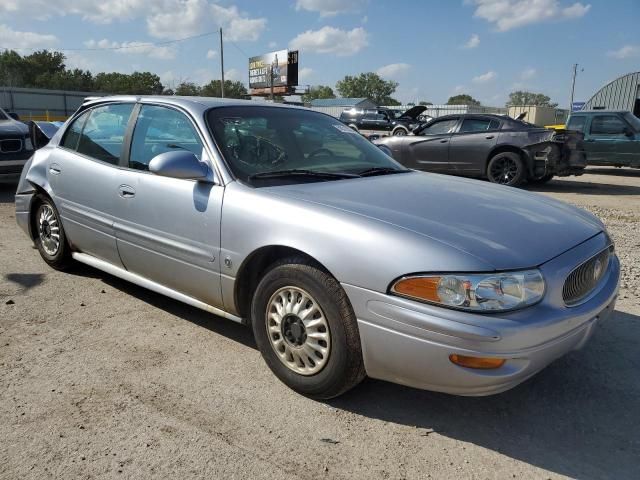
x=409, y=343
x=10, y=170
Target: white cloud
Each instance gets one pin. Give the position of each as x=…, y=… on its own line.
x=211, y=54
x=15, y=39
x=509, y=14
x=328, y=8
x=104, y=11
x=628, y=51
x=232, y=74
x=393, y=70
x=191, y=17
x=134, y=48
x=485, y=77
x=528, y=73
x=331, y=40
x=473, y=42
x=305, y=73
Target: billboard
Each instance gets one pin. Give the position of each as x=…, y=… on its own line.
x=279, y=69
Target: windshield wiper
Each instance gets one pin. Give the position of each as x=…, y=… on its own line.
x=300, y=172
x=369, y=172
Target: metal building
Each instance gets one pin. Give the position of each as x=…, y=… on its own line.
x=42, y=104
x=623, y=93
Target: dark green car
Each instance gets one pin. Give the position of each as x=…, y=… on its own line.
x=611, y=138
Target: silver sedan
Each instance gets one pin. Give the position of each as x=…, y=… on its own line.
x=343, y=262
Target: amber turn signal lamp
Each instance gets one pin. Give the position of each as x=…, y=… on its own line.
x=425, y=288
x=482, y=363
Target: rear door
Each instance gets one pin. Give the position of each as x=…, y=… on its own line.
x=168, y=229
x=470, y=145
x=428, y=150
x=83, y=173
x=607, y=143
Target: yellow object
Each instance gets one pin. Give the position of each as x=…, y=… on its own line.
x=425, y=288
x=480, y=363
x=556, y=127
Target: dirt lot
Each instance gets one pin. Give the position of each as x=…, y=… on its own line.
x=102, y=379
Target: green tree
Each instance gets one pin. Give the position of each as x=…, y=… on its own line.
x=187, y=89
x=41, y=67
x=462, y=99
x=232, y=89
x=368, y=85
x=521, y=97
x=12, y=69
x=425, y=103
x=137, y=83
x=320, y=91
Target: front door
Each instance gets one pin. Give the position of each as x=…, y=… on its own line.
x=607, y=142
x=168, y=229
x=429, y=149
x=83, y=174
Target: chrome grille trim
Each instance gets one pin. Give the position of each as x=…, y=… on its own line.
x=586, y=277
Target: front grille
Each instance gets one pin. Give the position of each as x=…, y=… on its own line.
x=11, y=145
x=585, y=278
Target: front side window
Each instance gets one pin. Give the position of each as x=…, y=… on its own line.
x=259, y=140
x=102, y=137
x=576, y=123
x=72, y=135
x=607, y=125
x=440, y=127
x=159, y=130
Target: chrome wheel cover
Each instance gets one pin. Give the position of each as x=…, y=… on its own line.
x=49, y=230
x=298, y=330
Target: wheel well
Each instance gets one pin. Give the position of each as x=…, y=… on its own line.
x=503, y=149
x=253, y=269
x=400, y=127
x=32, y=208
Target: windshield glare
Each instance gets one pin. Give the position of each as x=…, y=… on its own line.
x=269, y=139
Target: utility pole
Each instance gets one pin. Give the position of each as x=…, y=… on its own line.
x=573, y=86
x=271, y=80
x=222, y=66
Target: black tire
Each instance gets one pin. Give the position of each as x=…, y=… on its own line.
x=344, y=367
x=58, y=258
x=506, y=168
x=400, y=132
x=541, y=180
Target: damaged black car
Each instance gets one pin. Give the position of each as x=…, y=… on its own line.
x=499, y=148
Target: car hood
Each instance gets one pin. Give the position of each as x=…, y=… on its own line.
x=502, y=226
x=10, y=127
x=413, y=112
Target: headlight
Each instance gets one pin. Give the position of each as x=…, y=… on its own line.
x=484, y=292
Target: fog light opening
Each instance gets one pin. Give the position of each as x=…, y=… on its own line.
x=480, y=363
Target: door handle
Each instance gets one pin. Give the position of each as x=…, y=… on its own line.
x=489, y=137
x=126, y=191
x=54, y=169
x=444, y=141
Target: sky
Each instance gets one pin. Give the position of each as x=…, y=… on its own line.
x=432, y=48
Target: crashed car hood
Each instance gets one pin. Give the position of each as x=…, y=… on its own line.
x=505, y=227
x=413, y=112
x=13, y=128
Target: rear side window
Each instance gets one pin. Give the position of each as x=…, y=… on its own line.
x=576, y=123
x=478, y=125
x=72, y=135
x=159, y=130
x=102, y=137
x=607, y=125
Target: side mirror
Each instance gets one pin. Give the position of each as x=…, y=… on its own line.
x=178, y=164
x=628, y=132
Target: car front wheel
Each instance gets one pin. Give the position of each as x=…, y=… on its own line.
x=306, y=330
x=399, y=132
x=506, y=168
x=50, y=239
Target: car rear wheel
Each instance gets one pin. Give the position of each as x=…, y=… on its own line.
x=306, y=330
x=506, y=168
x=50, y=239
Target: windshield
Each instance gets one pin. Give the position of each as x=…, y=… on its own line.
x=633, y=120
x=256, y=141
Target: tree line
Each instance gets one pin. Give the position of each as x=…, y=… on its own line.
x=47, y=69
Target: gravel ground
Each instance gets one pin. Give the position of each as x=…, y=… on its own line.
x=102, y=379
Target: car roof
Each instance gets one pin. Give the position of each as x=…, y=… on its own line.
x=192, y=104
x=589, y=112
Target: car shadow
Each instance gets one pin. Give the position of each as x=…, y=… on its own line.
x=8, y=192
x=578, y=417
x=25, y=280
x=221, y=326
x=584, y=188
